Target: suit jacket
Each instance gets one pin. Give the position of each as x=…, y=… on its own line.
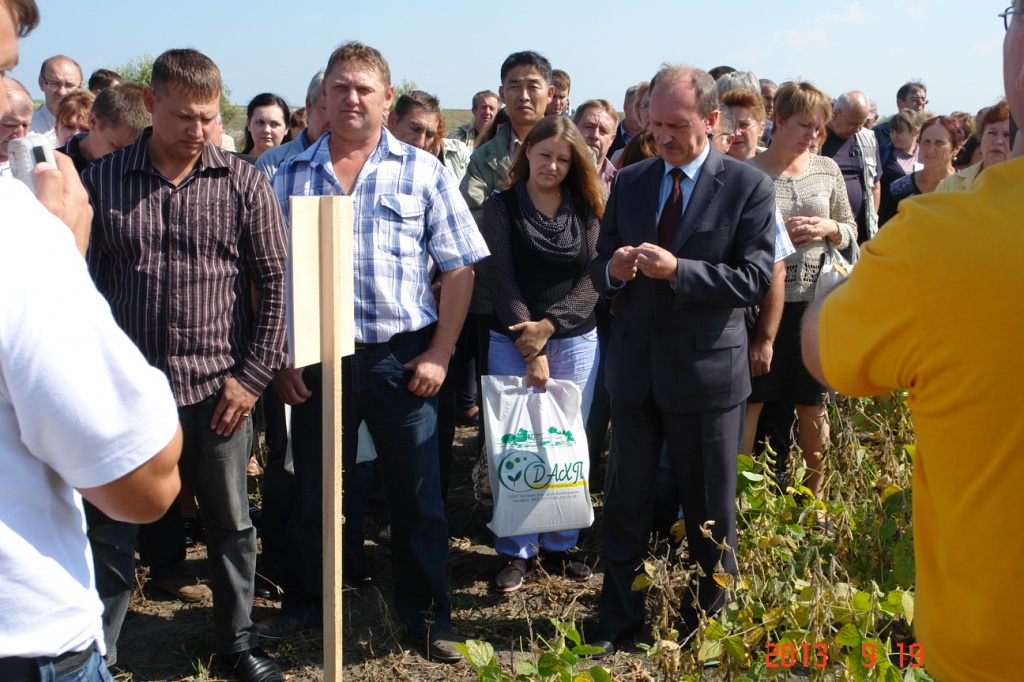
x=688, y=345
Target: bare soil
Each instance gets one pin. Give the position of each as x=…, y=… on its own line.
x=164, y=639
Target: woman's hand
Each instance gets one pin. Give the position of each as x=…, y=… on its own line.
x=537, y=373
x=534, y=336
x=804, y=230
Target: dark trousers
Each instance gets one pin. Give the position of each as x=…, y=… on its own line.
x=703, y=449
x=278, y=491
x=404, y=431
x=601, y=407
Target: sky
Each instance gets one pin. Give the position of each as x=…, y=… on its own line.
x=453, y=48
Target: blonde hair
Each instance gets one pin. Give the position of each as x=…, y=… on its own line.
x=801, y=98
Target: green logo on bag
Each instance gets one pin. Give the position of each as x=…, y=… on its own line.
x=553, y=438
x=521, y=471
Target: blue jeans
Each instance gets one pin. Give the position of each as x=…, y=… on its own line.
x=95, y=670
x=216, y=466
x=404, y=432
x=575, y=359
x=113, y=554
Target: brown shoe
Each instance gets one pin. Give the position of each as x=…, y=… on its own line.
x=182, y=588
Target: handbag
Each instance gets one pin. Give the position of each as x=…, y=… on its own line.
x=538, y=459
x=834, y=268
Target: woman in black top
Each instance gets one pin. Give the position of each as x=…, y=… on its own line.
x=542, y=234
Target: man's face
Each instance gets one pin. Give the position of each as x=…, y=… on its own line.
x=417, y=128
x=721, y=140
x=182, y=123
x=356, y=99
x=768, y=96
x=629, y=112
x=916, y=100
x=12, y=124
x=105, y=138
x=679, y=130
x=316, y=119
x=58, y=79
x=598, y=130
x=559, y=102
x=484, y=112
x=525, y=95
x=846, y=124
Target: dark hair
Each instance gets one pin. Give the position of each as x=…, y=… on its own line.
x=528, y=58
x=101, y=79
x=265, y=99
x=355, y=51
x=640, y=147
x=720, y=71
x=905, y=89
x=416, y=98
x=25, y=15
x=190, y=70
x=952, y=126
x=298, y=119
x=582, y=179
x=701, y=81
x=491, y=129
x=121, y=106
x=484, y=94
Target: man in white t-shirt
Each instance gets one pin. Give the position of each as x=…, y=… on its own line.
x=81, y=415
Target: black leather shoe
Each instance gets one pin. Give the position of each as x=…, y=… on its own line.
x=610, y=642
x=255, y=666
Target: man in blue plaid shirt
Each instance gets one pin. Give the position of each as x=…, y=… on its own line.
x=408, y=212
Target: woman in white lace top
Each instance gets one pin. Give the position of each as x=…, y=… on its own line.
x=811, y=195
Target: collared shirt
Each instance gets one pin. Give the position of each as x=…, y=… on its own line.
x=607, y=172
x=783, y=244
x=45, y=123
x=407, y=207
x=177, y=265
x=73, y=148
x=271, y=160
x=691, y=172
x=5, y=168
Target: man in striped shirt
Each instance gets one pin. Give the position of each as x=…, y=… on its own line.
x=182, y=233
x=408, y=211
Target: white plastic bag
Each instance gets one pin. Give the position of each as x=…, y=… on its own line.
x=537, y=455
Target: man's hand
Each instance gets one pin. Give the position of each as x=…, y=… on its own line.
x=537, y=373
x=290, y=386
x=62, y=193
x=233, y=409
x=656, y=262
x=804, y=230
x=533, y=338
x=622, y=266
x=760, y=357
x=429, y=369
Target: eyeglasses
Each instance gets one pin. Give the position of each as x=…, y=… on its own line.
x=59, y=84
x=1007, y=16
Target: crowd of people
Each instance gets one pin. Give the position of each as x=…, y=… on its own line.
x=664, y=263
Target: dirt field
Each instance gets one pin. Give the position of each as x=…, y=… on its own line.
x=166, y=640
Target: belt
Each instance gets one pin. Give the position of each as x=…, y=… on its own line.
x=396, y=337
x=15, y=669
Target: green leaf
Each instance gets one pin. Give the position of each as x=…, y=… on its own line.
x=745, y=463
x=709, y=650
x=599, y=674
x=848, y=636
x=908, y=607
x=891, y=674
x=734, y=647
x=586, y=650
x=861, y=602
x=573, y=635
x=752, y=477
x=641, y=582
x=549, y=664
x=526, y=668
x=479, y=654
x=714, y=631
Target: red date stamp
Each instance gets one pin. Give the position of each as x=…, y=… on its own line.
x=815, y=655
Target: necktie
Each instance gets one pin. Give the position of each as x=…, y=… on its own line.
x=671, y=212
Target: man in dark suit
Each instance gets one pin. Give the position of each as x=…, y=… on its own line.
x=686, y=243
